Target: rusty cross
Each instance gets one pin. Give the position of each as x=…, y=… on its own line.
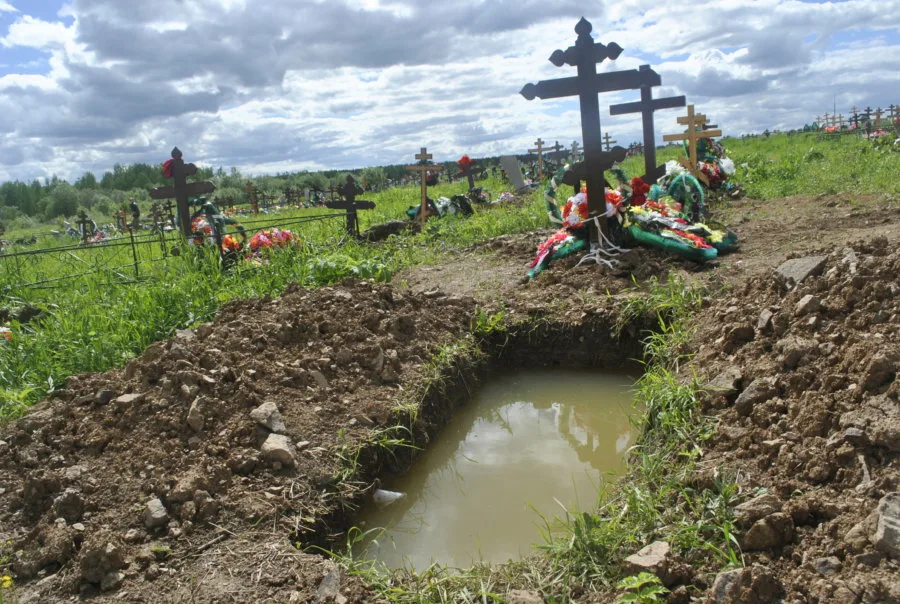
x=608, y=141
x=539, y=149
x=694, y=132
x=587, y=85
x=182, y=189
x=423, y=168
x=646, y=107
x=349, y=190
x=251, y=191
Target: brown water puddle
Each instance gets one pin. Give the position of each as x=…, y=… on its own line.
x=527, y=444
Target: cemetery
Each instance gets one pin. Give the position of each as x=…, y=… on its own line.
x=642, y=373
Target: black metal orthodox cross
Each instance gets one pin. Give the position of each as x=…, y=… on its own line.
x=694, y=132
x=349, y=190
x=182, y=189
x=423, y=168
x=85, y=225
x=646, y=106
x=539, y=149
x=587, y=85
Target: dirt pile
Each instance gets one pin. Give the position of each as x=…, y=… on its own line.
x=227, y=431
x=805, y=361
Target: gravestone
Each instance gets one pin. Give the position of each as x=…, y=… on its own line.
x=539, y=149
x=694, y=132
x=510, y=165
x=349, y=190
x=423, y=168
x=181, y=189
x=587, y=85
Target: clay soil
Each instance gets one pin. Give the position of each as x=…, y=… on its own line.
x=239, y=520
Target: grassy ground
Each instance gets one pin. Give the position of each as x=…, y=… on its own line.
x=94, y=323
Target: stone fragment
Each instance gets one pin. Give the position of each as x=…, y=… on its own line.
x=727, y=382
x=807, y=304
x=98, y=560
x=759, y=391
x=827, y=566
x=277, y=448
x=194, y=416
x=269, y=417
x=104, y=396
x=112, y=581
x=881, y=370
x=886, y=537
x=737, y=337
x=521, y=596
x=319, y=378
x=155, y=514
x=771, y=532
x=69, y=505
x=764, y=323
x=127, y=400
x=799, y=269
x=759, y=507
x=650, y=559
x=753, y=585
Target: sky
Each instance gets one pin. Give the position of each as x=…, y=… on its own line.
x=271, y=86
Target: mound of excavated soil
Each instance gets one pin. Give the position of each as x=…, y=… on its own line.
x=136, y=474
x=807, y=401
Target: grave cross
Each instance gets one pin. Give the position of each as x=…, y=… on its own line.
x=608, y=142
x=254, y=202
x=349, y=190
x=85, y=225
x=465, y=169
x=646, y=107
x=169, y=213
x=539, y=149
x=122, y=218
x=423, y=168
x=840, y=121
x=694, y=132
x=854, y=116
x=587, y=85
x=878, y=114
x=332, y=192
x=182, y=189
x=575, y=151
x=291, y=196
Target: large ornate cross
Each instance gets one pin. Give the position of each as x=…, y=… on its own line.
x=423, y=168
x=694, y=132
x=587, y=85
x=182, y=189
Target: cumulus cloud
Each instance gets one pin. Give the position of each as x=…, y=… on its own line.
x=271, y=86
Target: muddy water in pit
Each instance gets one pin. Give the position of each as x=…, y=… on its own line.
x=526, y=443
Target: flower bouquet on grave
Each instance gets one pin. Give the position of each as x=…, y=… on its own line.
x=271, y=239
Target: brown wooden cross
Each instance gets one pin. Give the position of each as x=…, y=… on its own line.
x=694, y=132
x=182, y=189
x=878, y=114
x=646, y=107
x=122, y=218
x=423, y=168
x=587, y=85
x=349, y=190
x=608, y=142
x=539, y=149
x=251, y=190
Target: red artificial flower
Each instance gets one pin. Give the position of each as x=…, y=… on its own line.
x=167, y=168
x=465, y=160
x=639, y=190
